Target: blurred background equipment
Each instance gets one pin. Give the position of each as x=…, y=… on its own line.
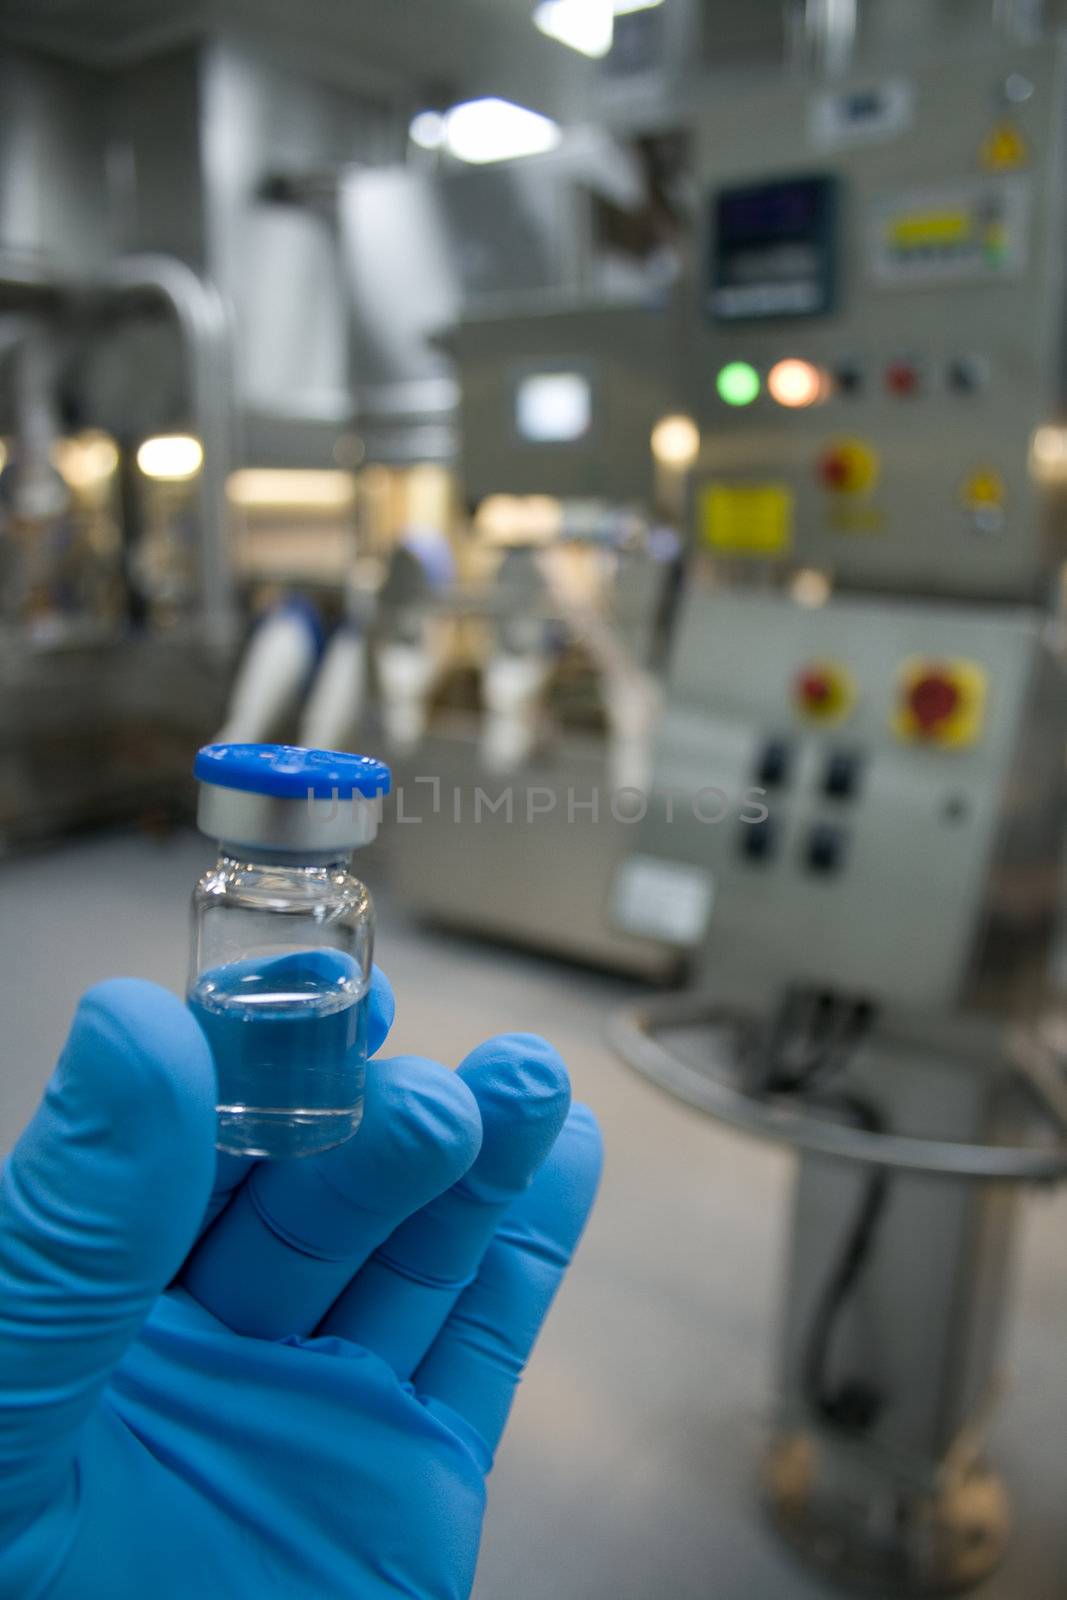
x=643, y=424
x=871, y=633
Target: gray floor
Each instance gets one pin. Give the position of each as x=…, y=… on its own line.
x=627, y=1473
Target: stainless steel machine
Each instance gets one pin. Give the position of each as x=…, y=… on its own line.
x=520, y=832
x=857, y=811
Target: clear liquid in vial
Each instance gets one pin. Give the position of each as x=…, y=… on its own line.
x=289, y=1038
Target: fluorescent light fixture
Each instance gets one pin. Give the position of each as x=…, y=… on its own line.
x=553, y=407
x=427, y=130
x=85, y=460
x=486, y=130
x=170, y=456
x=290, y=489
x=582, y=25
x=622, y=8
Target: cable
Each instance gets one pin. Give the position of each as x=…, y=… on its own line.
x=812, y=1036
x=854, y=1403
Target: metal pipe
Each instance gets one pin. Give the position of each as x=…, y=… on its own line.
x=823, y=35
x=201, y=316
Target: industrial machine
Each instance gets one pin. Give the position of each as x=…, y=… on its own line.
x=520, y=831
x=115, y=602
x=854, y=830
x=815, y=760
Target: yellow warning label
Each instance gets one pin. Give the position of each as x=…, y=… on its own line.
x=1004, y=148
x=754, y=519
x=926, y=230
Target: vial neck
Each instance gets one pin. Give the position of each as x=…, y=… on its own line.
x=244, y=856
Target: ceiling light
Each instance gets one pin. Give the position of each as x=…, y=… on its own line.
x=85, y=460
x=427, y=130
x=582, y=25
x=622, y=8
x=497, y=130
x=170, y=456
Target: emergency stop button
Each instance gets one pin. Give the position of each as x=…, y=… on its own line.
x=848, y=466
x=824, y=691
x=940, y=702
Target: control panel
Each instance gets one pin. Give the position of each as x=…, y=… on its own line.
x=877, y=372
x=860, y=751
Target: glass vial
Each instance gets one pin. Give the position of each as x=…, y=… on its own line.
x=282, y=942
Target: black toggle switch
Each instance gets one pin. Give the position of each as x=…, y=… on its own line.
x=965, y=374
x=826, y=847
x=773, y=767
x=842, y=774
x=758, y=839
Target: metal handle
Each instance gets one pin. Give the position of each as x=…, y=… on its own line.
x=632, y=1033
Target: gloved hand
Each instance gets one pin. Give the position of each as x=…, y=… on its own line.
x=309, y=1410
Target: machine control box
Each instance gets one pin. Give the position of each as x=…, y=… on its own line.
x=899, y=842
x=877, y=370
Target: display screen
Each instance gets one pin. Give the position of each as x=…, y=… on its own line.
x=772, y=250
x=769, y=212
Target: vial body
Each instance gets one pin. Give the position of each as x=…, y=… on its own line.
x=279, y=980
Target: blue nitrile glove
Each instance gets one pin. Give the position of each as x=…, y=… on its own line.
x=310, y=1409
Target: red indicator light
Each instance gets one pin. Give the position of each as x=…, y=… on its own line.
x=901, y=378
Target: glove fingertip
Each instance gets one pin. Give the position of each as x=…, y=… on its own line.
x=523, y=1092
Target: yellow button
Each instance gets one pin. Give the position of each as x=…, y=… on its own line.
x=984, y=488
x=940, y=701
x=848, y=466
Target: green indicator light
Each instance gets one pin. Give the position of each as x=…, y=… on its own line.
x=737, y=383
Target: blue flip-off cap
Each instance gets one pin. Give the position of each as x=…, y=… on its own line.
x=291, y=773
x=288, y=801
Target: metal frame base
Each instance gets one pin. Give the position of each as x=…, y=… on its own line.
x=877, y=1535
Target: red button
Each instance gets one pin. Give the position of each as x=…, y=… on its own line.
x=814, y=689
x=901, y=378
x=834, y=469
x=932, y=700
